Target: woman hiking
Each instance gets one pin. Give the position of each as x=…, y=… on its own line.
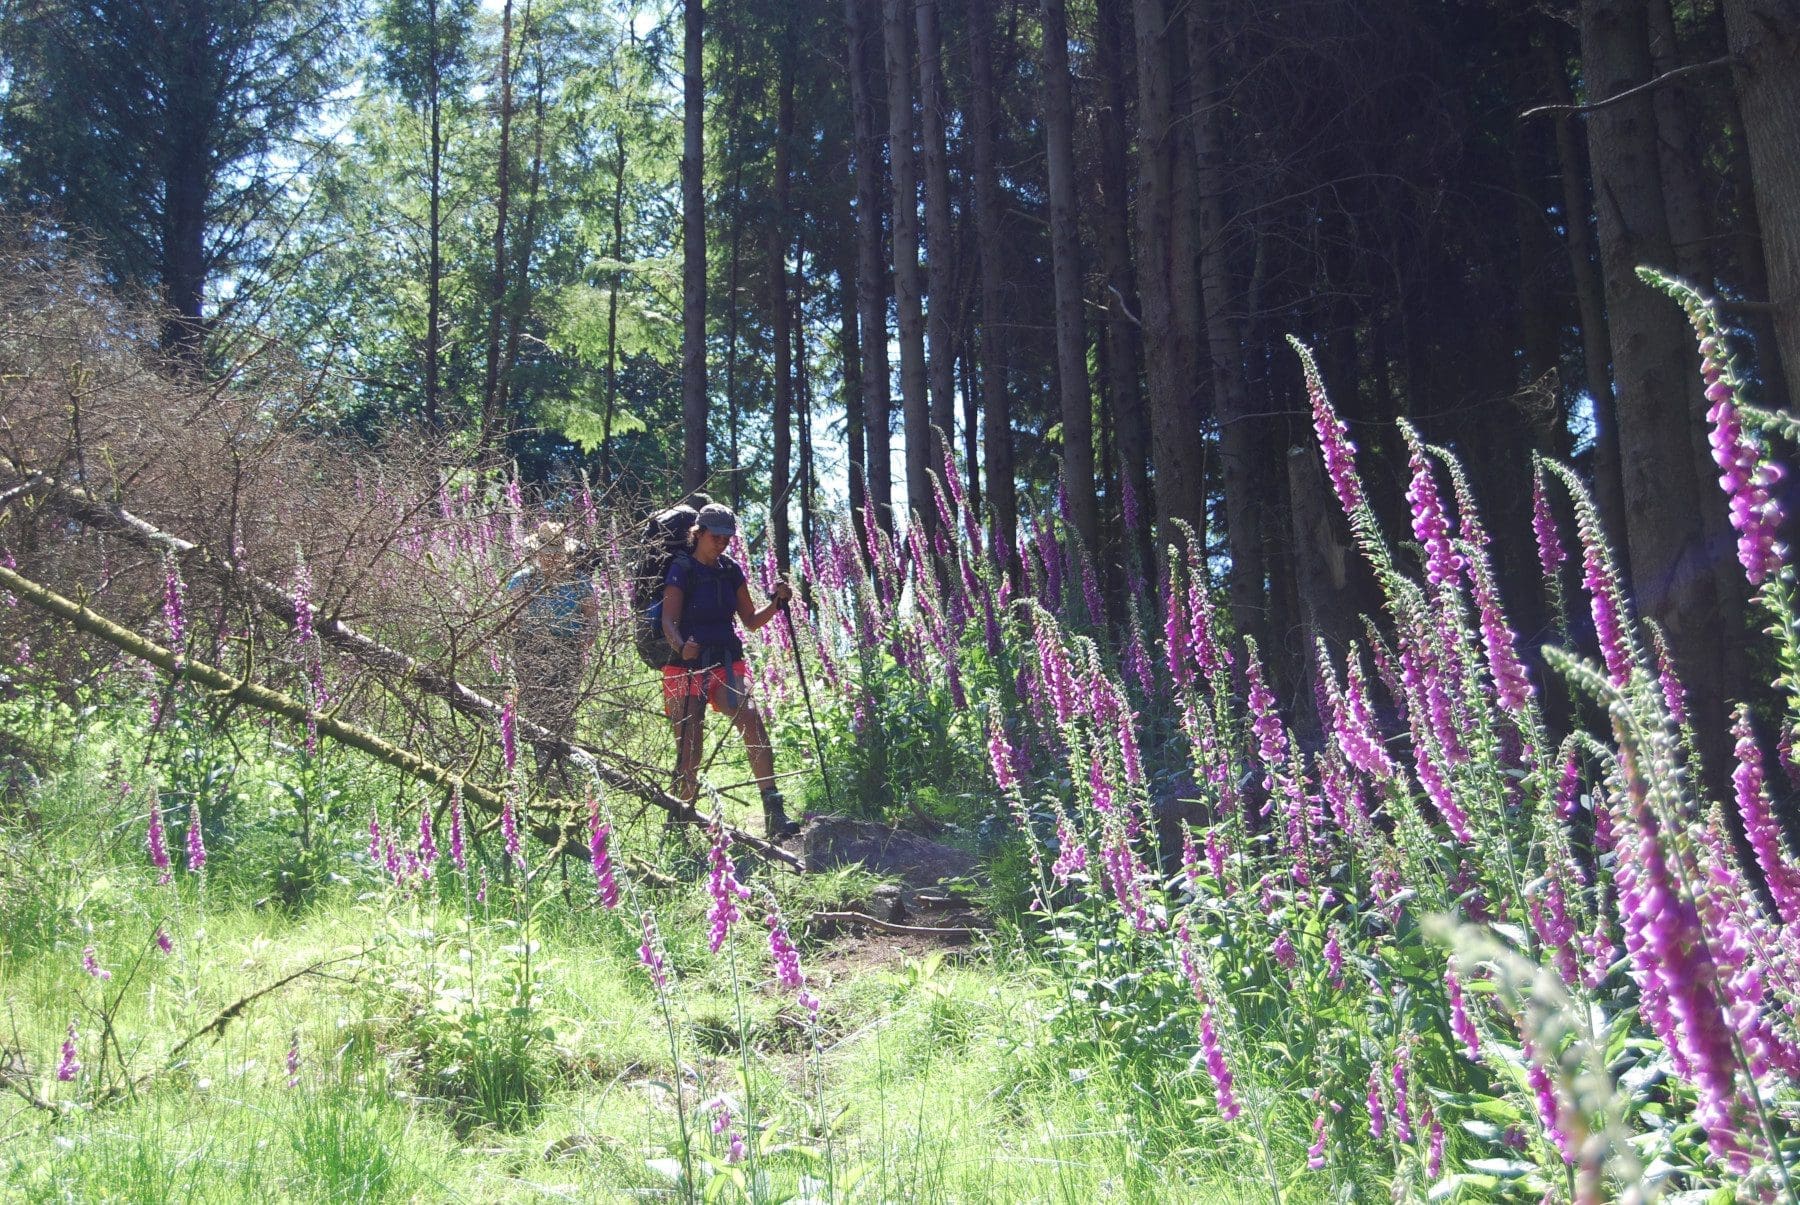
x=704, y=593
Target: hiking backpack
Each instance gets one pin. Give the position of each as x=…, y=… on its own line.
x=665, y=538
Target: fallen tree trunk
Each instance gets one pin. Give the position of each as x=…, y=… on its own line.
x=242, y=690
x=397, y=667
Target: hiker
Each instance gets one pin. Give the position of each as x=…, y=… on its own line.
x=555, y=625
x=704, y=593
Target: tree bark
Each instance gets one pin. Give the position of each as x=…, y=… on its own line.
x=1764, y=38
x=871, y=271
x=612, y=305
x=434, y=270
x=1652, y=353
x=915, y=408
x=996, y=393
x=693, y=256
x=940, y=239
x=1175, y=433
x=1112, y=224
x=1065, y=260
x=850, y=346
x=491, y=435
x=1221, y=299
x=779, y=315
x=1590, y=290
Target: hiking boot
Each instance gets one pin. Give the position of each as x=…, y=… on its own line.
x=776, y=825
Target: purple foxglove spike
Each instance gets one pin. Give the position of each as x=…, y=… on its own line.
x=1214, y=1055
x=600, y=856
x=650, y=952
x=1461, y=1024
x=509, y=829
x=1315, y=1154
x=458, y=853
x=1551, y=553
x=196, y=840
x=1430, y=524
x=69, y=1067
x=1334, y=437
x=1377, y=1114
x=722, y=885
x=174, y=607
x=1753, y=803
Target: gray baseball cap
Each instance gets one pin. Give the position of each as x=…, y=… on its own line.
x=717, y=519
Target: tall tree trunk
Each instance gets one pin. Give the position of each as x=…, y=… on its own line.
x=187, y=180
x=1175, y=432
x=871, y=272
x=519, y=292
x=1678, y=145
x=916, y=412
x=1112, y=224
x=850, y=345
x=971, y=402
x=1221, y=298
x=1651, y=365
x=1590, y=290
x=1764, y=38
x=491, y=434
x=940, y=239
x=434, y=270
x=985, y=198
x=1065, y=262
x=803, y=407
x=781, y=338
x=693, y=255
x=612, y=304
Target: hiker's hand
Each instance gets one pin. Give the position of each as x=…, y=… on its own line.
x=690, y=651
x=783, y=593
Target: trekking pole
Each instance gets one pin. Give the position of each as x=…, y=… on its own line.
x=812, y=719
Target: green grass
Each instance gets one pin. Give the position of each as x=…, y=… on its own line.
x=423, y=1076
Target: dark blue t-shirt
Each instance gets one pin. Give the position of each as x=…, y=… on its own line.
x=709, y=604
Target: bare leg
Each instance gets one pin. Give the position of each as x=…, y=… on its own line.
x=755, y=732
x=689, y=715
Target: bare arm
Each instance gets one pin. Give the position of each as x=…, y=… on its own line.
x=673, y=601
x=753, y=618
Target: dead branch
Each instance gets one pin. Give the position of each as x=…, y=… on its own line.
x=242, y=690
x=235, y=1009
x=398, y=668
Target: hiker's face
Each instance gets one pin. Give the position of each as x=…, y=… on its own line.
x=711, y=543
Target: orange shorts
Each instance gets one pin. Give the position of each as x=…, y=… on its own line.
x=726, y=687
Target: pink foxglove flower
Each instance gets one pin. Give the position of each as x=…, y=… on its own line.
x=650, y=951
x=509, y=828
x=163, y=941
x=1214, y=1054
x=90, y=963
x=196, y=842
x=458, y=852
x=1377, y=1114
x=1430, y=523
x=158, y=842
x=1334, y=437
x=600, y=855
x=1315, y=1154
x=1460, y=1022
x=509, y=733
x=428, y=850
x=1334, y=959
x=1779, y=871
x=69, y=1067
x=174, y=606
x=1551, y=553
x=723, y=886
x=374, y=836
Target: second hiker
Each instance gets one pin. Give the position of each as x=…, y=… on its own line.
x=704, y=595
